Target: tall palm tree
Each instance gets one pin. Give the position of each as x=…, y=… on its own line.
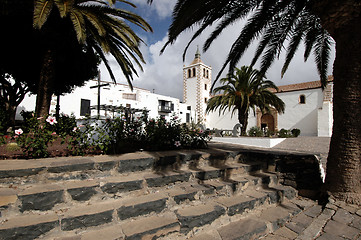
x=316, y=23
x=243, y=90
x=95, y=24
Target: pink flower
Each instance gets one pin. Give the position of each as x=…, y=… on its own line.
x=51, y=120
x=19, y=131
x=40, y=118
x=75, y=129
x=54, y=133
x=177, y=143
x=81, y=126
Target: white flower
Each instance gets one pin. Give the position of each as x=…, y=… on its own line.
x=177, y=143
x=19, y=131
x=51, y=120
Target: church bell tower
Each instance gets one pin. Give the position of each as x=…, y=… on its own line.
x=196, y=86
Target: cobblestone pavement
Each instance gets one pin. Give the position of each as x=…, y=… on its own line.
x=334, y=221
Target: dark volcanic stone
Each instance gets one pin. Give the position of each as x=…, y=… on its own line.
x=40, y=201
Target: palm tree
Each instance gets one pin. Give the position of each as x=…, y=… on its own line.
x=244, y=90
x=317, y=24
x=96, y=25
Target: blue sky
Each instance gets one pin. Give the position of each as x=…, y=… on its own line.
x=163, y=73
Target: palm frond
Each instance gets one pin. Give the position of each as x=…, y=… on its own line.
x=42, y=10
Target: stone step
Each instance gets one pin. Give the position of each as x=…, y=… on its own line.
x=188, y=204
x=43, y=197
x=254, y=226
x=79, y=167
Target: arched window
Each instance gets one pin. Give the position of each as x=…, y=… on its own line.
x=189, y=73
x=204, y=72
x=207, y=74
x=302, y=99
x=194, y=72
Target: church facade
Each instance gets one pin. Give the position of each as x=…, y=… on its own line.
x=308, y=107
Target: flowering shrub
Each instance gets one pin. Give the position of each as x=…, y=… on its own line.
x=34, y=142
x=123, y=134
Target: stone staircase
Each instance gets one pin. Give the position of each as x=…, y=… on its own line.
x=208, y=194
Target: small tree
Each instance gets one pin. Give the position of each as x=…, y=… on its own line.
x=243, y=90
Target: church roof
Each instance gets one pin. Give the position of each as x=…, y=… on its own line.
x=301, y=86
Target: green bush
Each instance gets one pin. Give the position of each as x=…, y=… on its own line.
x=284, y=133
x=123, y=134
x=255, y=132
x=295, y=132
x=39, y=133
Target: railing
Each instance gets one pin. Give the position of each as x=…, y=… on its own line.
x=166, y=109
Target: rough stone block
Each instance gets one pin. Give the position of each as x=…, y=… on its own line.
x=150, y=228
x=82, y=194
x=135, y=165
x=210, y=174
x=40, y=201
x=20, y=172
x=197, y=216
x=142, y=205
x=279, y=215
x=28, y=227
x=341, y=230
x=314, y=211
x=237, y=204
x=86, y=220
x=183, y=196
x=70, y=165
x=343, y=216
x=243, y=229
x=162, y=180
x=121, y=185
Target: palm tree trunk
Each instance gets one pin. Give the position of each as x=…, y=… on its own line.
x=243, y=120
x=45, y=88
x=343, y=176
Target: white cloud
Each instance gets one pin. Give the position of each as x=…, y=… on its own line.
x=163, y=73
x=162, y=8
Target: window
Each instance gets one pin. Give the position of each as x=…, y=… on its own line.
x=129, y=96
x=189, y=108
x=84, y=107
x=205, y=100
x=207, y=74
x=189, y=73
x=204, y=72
x=188, y=116
x=302, y=99
x=165, y=106
x=205, y=87
x=194, y=72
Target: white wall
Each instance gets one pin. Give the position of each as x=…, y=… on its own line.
x=325, y=120
x=301, y=116
x=110, y=95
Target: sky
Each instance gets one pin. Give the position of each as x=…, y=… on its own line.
x=162, y=74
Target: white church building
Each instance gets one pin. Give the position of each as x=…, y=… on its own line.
x=308, y=107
